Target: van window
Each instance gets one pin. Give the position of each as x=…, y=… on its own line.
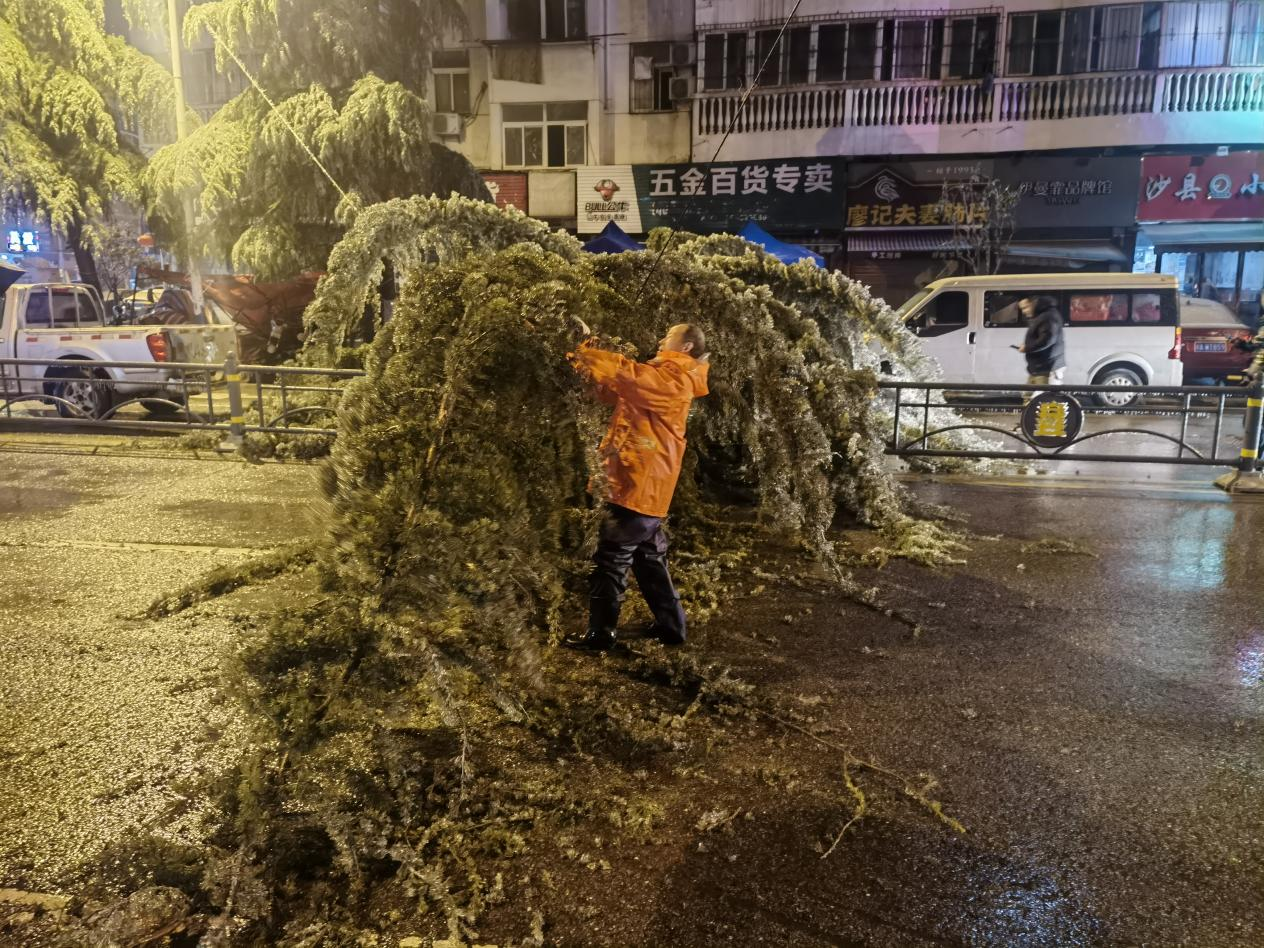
x=1000, y=309
x=1115, y=308
x=945, y=313
x=1095, y=306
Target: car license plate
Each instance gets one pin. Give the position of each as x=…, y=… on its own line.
x=1209, y=347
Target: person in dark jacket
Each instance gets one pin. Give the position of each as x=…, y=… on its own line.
x=1043, y=345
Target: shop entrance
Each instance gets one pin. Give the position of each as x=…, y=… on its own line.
x=1231, y=276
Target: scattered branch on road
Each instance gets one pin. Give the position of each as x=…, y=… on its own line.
x=224, y=580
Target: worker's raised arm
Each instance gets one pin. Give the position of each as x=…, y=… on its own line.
x=601, y=368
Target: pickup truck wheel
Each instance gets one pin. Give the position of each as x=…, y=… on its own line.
x=91, y=399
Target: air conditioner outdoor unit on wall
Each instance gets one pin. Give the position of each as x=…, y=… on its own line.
x=447, y=125
x=682, y=54
x=681, y=88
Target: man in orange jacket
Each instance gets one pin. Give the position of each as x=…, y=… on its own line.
x=642, y=453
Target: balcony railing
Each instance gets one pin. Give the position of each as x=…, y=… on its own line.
x=970, y=103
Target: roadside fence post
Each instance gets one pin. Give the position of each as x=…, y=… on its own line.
x=236, y=415
x=1250, y=460
x=1247, y=479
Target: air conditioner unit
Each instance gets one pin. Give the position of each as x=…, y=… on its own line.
x=681, y=88
x=447, y=125
x=682, y=54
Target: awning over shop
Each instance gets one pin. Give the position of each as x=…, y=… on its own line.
x=612, y=239
x=1080, y=251
x=1204, y=233
x=786, y=253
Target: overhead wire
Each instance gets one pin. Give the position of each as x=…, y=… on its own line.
x=775, y=49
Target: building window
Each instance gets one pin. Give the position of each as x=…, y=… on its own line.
x=1108, y=38
x=1247, y=42
x=768, y=57
x=552, y=135
x=724, y=65
x=1194, y=34
x=798, y=55
x=652, y=74
x=862, y=51
x=1034, y=42
x=529, y=20
x=971, y=47
x=831, y=52
x=451, y=74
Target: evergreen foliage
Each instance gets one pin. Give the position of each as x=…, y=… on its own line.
x=461, y=520
x=65, y=85
x=348, y=96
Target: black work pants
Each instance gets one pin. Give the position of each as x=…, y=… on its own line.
x=632, y=540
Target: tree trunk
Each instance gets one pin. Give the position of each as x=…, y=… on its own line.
x=84, y=260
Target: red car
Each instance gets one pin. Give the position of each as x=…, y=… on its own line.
x=1208, y=332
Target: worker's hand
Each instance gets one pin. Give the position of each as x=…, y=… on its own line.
x=1022, y=348
x=581, y=326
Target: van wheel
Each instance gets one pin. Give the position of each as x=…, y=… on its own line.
x=86, y=399
x=1117, y=375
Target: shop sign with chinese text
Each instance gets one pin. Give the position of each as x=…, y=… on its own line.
x=1071, y=192
x=1202, y=187
x=908, y=194
x=797, y=193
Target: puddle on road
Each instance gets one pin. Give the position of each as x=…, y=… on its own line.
x=24, y=501
x=1249, y=665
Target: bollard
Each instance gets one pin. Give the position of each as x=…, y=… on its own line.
x=236, y=415
x=1250, y=461
x=1247, y=479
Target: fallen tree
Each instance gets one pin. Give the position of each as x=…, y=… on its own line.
x=460, y=522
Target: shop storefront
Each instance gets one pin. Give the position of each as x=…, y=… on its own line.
x=1202, y=220
x=795, y=199
x=1071, y=214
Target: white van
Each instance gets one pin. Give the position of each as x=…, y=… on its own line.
x=1121, y=328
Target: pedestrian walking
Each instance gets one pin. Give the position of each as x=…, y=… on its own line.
x=642, y=453
x=1043, y=345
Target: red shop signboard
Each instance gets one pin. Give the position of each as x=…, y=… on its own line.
x=509, y=189
x=1202, y=187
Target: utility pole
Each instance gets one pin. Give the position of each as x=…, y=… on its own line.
x=182, y=131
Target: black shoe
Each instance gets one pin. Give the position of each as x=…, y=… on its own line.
x=667, y=638
x=591, y=641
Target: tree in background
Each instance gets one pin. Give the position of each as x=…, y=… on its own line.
x=981, y=212
x=65, y=87
x=351, y=126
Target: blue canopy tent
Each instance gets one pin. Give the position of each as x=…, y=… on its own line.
x=612, y=240
x=786, y=253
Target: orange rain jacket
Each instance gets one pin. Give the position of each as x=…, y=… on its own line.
x=645, y=445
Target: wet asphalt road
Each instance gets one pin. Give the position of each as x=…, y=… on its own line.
x=1096, y=721
x=1099, y=721
x=106, y=718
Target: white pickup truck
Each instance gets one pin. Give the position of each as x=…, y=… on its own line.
x=67, y=321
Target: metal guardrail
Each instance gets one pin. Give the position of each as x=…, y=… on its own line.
x=185, y=395
x=1055, y=444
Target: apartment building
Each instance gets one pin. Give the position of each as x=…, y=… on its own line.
x=538, y=92
x=1133, y=131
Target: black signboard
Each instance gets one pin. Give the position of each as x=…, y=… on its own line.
x=1054, y=192
x=1072, y=192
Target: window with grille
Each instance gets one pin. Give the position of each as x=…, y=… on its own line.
x=724, y=61
x=652, y=74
